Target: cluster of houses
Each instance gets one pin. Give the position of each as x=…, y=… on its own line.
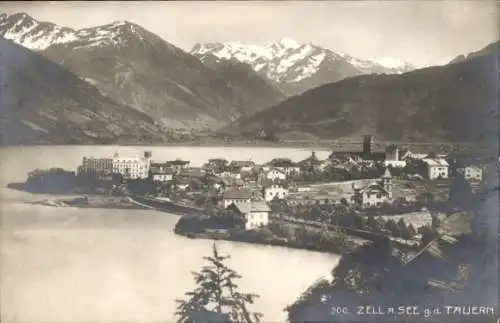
x=247, y=187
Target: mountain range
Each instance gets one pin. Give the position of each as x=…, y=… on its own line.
x=296, y=67
x=135, y=67
x=43, y=103
x=146, y=87
x=452, y=103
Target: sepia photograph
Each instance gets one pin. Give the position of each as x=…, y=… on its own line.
x=249, y=161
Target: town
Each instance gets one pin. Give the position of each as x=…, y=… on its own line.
x=361, y=194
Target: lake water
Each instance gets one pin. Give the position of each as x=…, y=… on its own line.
x=91, y=265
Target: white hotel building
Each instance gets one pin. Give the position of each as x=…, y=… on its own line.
x=132, y=167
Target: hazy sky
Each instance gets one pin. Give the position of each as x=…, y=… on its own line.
x=421, y=32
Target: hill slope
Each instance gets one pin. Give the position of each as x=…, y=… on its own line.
x=298, y=67
x=136, y=67
x=490, y=49
x=457, y=102
x=42, y=103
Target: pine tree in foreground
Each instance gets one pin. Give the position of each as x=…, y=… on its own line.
x=216, y=297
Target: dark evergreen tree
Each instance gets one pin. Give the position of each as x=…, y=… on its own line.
x=392, y=227
x=360, y=221
x=216, y=297
x=403, y=229
x=460, y=192
x=373, y=225
x=435, y=222
x=411, y=230
x=427, y=234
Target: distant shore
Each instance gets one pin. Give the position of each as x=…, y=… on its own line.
x=319, y=144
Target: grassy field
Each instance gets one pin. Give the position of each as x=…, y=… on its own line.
x=457, y=224
x=406, y=188
x=400, y=188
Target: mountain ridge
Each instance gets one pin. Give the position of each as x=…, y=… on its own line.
x=297, y=67
x=42, y=102
x=452, y=103
x=137, y=68
x=489, y=49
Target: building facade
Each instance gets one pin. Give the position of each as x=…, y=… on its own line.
x=178, y=164
x=275, y=174
x=255, y=214
x=374, y=194
x=471, y=173
x=236, y=196
x=393, y=157
x=275, y=191
x=436, y=168
x=132, y=167
x=162, y=175
x=95, y=167
x=245, y=166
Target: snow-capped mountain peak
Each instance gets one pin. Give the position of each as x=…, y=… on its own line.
x=287, y=43
x=38, y=35
x=391, y=62
x=287, y=61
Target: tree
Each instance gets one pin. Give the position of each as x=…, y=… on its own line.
x=217, y=165
x=427, y=234
x=392, y=227
x=216, y=297
x=411, y=230
x=426, y=198
x=373, y=224
x=435, y=222
x=344, y=202
x=359, y=221
x=460, y=192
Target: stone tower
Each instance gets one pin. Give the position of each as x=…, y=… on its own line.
x=367, y=144
x=387, y=182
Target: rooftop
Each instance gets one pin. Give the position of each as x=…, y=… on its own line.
x=267, y=183
x=243, y=163
x=159, y=170
x=237, y=194
x=281, y=162
x=177, y=162
x=253, y=206
x=387, y=173
x=274, y=169
x=435, y=161
x=373, y=187
x=193, y=172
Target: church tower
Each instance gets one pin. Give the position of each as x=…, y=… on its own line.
x=387, y=182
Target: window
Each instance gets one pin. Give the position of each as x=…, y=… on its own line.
x=379, y=195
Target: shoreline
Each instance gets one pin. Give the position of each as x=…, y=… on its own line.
x=320, y=144
x=276, y=233
x=247, y=237
x=273, y=243
x=114, y=203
